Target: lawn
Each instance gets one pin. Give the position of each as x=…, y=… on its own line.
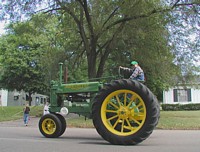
x=13, y=113
x=179, y=120
x=168, y=119
x=184, y=120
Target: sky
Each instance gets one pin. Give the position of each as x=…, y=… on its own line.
x=2, y=24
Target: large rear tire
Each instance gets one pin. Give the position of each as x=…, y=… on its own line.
x=125, y=112
x=50, y=126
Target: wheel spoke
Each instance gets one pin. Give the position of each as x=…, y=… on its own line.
x=131, y=100
x=118, y=100
x=139, y=118
x=140, y=104
x=114, y=105
x=111, y=111
x=141, y=109
x=125, y=99
x=122, y=128
x=113, y=117
x=136, y=121
x=118, y=121
x=129, y=125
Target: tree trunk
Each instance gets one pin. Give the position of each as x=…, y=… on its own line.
x=92, y=64
x=102, y=64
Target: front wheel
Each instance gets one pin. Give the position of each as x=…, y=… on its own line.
x=50, y=126
x=63, y=123
x=125, y=112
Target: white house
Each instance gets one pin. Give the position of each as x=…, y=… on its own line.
x=4, y=97
x=15, y=98
x=182, y=95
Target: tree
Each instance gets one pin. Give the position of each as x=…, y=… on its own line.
x=22, y=69
x=148, y=45
x=184, y=39
x=103, y=34
x=97, y=20
x=30, y=40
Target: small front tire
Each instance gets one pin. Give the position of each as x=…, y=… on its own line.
x=50, y=126
x=63, y=123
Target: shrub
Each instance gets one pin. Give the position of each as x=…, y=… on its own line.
x=180, y=107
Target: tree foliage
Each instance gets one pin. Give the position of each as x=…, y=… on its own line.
x=97, y=35
x=21, y=69
x=99, y=23
x=184, y=39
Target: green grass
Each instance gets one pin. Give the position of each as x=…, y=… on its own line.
x=80, y=122
x=168, y=119
x=182, y=120
x=179, y=120
x=13, y=113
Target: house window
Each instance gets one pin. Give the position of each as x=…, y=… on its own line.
x=41, y=101
x=16, y=97
x=182, y=95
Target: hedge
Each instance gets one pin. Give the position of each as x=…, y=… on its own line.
x=180, y=107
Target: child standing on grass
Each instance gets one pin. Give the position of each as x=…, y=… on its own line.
x=26, y=111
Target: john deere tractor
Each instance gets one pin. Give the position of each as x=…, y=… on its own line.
x=124, y=112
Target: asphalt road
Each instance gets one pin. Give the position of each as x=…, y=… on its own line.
x=15, y=137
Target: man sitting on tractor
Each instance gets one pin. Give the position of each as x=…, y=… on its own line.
x=138, y=73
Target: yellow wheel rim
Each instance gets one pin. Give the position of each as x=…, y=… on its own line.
x=123, y=112
x=48, y=126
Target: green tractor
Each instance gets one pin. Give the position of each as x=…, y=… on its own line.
x=124, y=112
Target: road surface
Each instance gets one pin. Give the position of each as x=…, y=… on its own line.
x=15, y=137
